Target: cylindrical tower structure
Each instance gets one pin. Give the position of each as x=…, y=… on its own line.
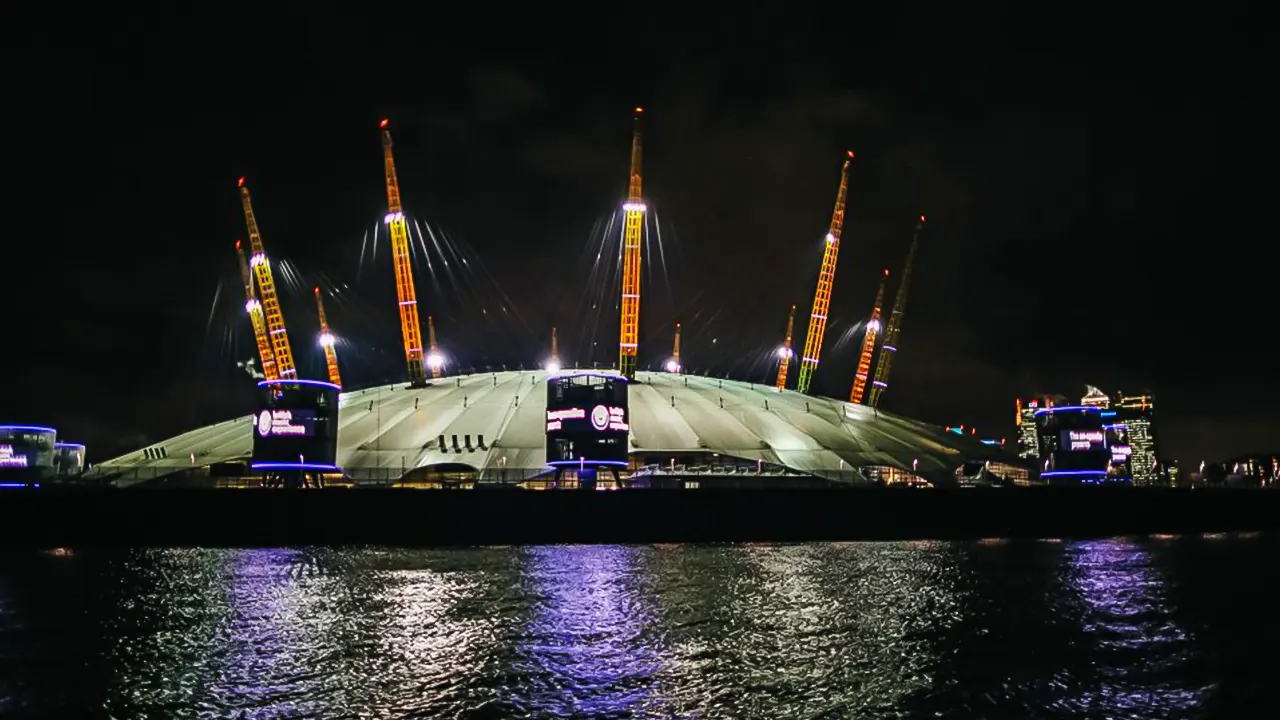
x=1073, y=444
x=296, y=426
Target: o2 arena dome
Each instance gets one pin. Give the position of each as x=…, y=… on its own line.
x=493, y=425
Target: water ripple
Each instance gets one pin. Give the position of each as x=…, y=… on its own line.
x=1148, y=628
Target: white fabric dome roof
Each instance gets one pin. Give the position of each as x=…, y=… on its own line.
x=394, y=427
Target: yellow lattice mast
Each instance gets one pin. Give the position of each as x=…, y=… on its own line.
x=826, y=279
x=327, y=342
x=673, y=365
x=553, y=365
x=784, y=352
x=254, y=308
x=868, y=345
x=410, y=328
x=434, y=359
x=633, y=228
x=267, y=286
x=894, y=328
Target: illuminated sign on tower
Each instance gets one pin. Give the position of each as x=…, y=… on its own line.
x=1084, y=440
x=296, y=426
x=587, y=419
x=286, y=422
x=9, y=458
x=27, y=451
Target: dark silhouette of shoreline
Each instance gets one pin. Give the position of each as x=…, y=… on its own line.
x=188, y=517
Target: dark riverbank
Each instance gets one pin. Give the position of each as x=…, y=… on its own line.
x=50, y=517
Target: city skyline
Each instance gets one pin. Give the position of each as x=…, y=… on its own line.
x=1127, y=427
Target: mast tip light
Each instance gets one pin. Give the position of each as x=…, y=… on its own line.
x=886, y=272
x=240, y=182
x=382, y=123
x=639, y=110
x=850, y=152
x=318, y=289
x=921, y=218
x=237, y=244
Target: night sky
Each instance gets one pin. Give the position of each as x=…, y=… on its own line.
x=1094, y=186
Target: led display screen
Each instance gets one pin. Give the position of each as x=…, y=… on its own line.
x=1083, y=440
x=27, y=449
x=587, y=419
x=600, y=418
x=9, y=457
x=295, y=425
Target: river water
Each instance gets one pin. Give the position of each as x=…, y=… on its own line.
x=1154, y=627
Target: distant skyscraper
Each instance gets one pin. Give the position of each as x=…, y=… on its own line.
x=1094, y=397
x=1121, y=447
x=1028, y=441
x=1137, y=414
x=1117, y=434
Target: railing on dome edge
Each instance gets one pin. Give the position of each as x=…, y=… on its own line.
x=237, y=475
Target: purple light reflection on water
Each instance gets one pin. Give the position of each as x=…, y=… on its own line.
x=258, y=666
x=1124, y=606
x=589, y=647
x=1165, y=629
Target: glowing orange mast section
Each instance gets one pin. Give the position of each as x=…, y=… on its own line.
x=889, y=349
x=410, y=327
x=868, y=346
x=254, y=308
x=280, y=349
x=327, y=342
x=784, y=352
x=634, y=207
x=826, y=279
x=434, y=359
x=673, y=365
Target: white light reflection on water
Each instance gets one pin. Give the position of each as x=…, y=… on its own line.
x=797, y=630
x=588, y=648
x=162, y=611
x=1145, y=629
x=1140, y=652
x=260, y=663
x=442, y=628
x=327, y=633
